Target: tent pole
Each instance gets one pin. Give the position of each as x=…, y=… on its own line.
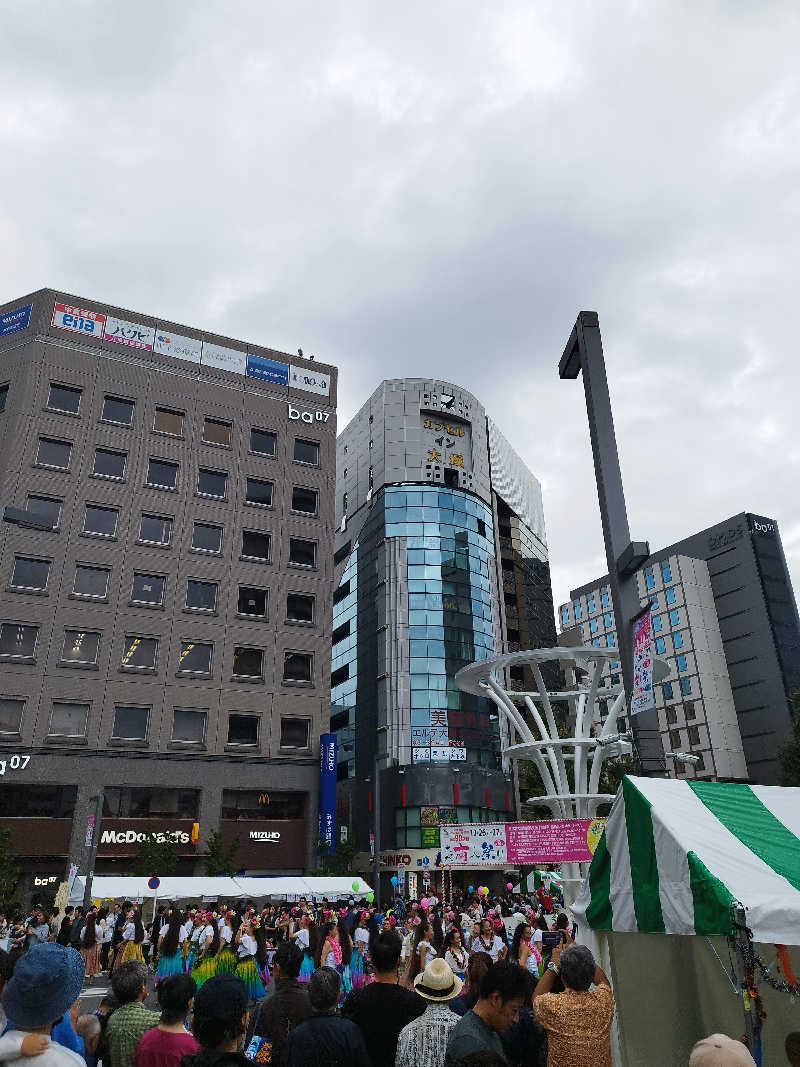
x=744, y=978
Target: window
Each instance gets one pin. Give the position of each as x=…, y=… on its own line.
x=248, y=662
x=252, y=602
x=201, y=596
x=52, y=453
x=3, y=397
x=670, y=596
x=255, y=545
x=608, y=621
x=304, y=500
x=91, y=581
x=594, y=625
x=258, y=492
x=212, y=483
x=206, y=537
x=80, y=647
x=672, y=716
x=100, y=522
x=675, y=738
x=590, y=603
x=155, y=529
x=686, y=687
x=577, y=610
x=677, y=639
x=666, y=573
x=342, y=553
x=564, y=615
x=342, y=674
x=68, y=720
x=701, y=763
x=45, y=507
x=195, y=658
x=688, y=709
x=31, y=574
x=108, y=463
x=115, y=409
x=168, y=421
x=188, y=727
x=298, y=667
x=611, y=641
x=243, y=730
x=661, y=646
x=299, y=607
x=161, y=474
x=654, y=603
x=622, y=725
x=139, y=653
x=657, y=623
x=306, y=452
x=674, y=616
x=595, y=642
x=130, y=723
x=649, y=580
x=262, y=442
x=604, y=596
x=147, y=588
x=694, y=735
x=64, y=398
x=302, y=553
x=680, y=662
x=18, y=640
x=217, y=431
x=11, y=715
x=667, y=687
x=295, y=733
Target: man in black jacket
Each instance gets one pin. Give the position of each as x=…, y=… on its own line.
x=288, y=1006
x=66, y=926
x=325, y=1040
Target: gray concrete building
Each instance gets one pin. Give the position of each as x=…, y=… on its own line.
x=742, y=602
x=168, y=642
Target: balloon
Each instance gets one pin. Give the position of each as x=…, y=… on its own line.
x=394, y=880
x=424, y=902
x=509, y=886
x=470, y=888
x=370, y=897
x=356, y=883
x=485, y=890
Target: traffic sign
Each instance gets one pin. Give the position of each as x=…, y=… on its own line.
x=154, y=883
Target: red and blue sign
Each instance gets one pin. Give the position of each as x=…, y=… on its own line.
x=18, y=319
x=89, y=323
x=154, y=882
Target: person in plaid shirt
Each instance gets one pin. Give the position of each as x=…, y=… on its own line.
x=132, y=1018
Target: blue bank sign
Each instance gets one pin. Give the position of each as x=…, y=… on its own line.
x=268, y=370
x=327, y=790
x=18, y=319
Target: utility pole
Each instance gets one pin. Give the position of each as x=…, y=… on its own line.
x=92, y=841
x=377, y=808
x=584, y=352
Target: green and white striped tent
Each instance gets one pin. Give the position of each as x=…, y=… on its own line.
x=676, y=854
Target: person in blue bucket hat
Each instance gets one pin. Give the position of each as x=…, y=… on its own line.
x=45, y=984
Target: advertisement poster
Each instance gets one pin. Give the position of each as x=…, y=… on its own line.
x=311, y=381
x=327, y=790
x=178, y=346
x=132, y=334
x=66, y=317
x=224, y=358
x=18, y=319
x=543, y=841
x=643, y=697
x=473, y=845
x=429, y=836
x=267, y=370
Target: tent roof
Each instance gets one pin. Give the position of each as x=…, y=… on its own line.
x=675, y=855
x=113, y=887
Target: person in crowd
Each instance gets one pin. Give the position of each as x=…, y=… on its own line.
x=132, y=1018
x=288, y=1006
x=502, y=995
x=525, y=1041
x=37, y=931
x=105, y=932
x=524, y=950
x=208, y=944
x=717, y=1050
x=489, y=942
x=132, y=939
x=578, y=1021
x=54, y=922
x=381, y=1009
x=167, y=1043
x=334, y=949
x=423, y=1042
x=219, y=1022
x=479, y=963
x=89, y=945
x=89, y=1031
x=78, y=922
x=226, y=957
x=358, y=961
x=120, y=919
x=45, y=985
x=455, y=955
x=302, y=936
x=325, y=1039
x=545, y=898
x=102, y=1013
x=65, y=927
x=246, y=950
x=170, y=958
x=422, y=951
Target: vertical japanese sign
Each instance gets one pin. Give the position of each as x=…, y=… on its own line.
x=89, y=831
x=327, y=790
x=643, y=696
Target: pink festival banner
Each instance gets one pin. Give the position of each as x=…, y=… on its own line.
x=552, y=840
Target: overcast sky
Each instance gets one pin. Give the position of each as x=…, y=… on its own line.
x=437, y=189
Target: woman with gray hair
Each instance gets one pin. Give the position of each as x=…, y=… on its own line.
x=578, y=1021
x=326, y=1039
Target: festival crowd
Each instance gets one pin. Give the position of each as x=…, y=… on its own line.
x=482, y=980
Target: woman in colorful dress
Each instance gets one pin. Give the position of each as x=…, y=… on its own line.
x=302, y=937
x=524, y=950
x=208, y=946
x=422, y=951
x=455, y=955
x=226, y=957
x=246, y=948
x=335, y=950
x=358, y=961
x=170, y=957
x=132, y=938
x=262, y=952
x=198, y=925
x=89, y=945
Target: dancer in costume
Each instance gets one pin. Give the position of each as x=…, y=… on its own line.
x=132, y=938
x=455, y=955
x=246, y=951
x=302, y=937
x=198, y=925
x=422, y=951
x=226, y=957
x=524, y=950
x=262, y=952
x=335, y=951
x=208, y=946
x=358, y=961
x=170, y=957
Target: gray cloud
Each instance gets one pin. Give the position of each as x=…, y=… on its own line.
x=438, y=189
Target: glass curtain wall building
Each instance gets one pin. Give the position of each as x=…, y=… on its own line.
x=434, y=569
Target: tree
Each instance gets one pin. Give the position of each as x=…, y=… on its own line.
x=9, y=871
x=156, y=855
x=219, y=860
x=788, y=753
x=340, y=862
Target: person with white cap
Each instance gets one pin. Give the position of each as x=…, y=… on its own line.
x=423, y=1042
x=717, y=1050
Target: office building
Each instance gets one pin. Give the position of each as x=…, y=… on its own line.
x=440, y=560
x=168, y=642
x=750, y=614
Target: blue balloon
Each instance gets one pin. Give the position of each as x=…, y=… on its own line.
x=470, y=888
x=394, y=879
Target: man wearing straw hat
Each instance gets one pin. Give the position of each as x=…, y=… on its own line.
x=423, y=1042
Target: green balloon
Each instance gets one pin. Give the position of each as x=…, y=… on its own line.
x=354, y=885
x=370, y=897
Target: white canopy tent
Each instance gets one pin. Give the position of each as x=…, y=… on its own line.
x=131, y=887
